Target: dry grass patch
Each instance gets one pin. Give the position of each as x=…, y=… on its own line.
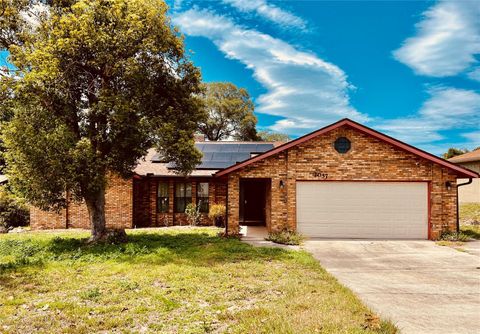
x=174, y=280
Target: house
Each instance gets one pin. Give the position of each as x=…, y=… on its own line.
x=342, y=181
x=468, y=193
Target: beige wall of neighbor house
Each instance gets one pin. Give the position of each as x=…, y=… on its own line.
x=469, y=193
x=369, y=159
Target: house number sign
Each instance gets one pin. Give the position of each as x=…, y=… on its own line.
x=320, y=174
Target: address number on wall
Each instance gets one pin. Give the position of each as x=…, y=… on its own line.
x=320, y=174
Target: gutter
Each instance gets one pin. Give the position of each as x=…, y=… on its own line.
x=470, y=180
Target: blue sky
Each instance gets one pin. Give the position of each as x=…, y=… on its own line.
x=407, y=68
x=410, y=69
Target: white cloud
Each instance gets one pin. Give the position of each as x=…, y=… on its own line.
x=446, y=109
x=447, y=40
x=473, y=139
x=269, y=12
x=474, y=74
x=306, y=90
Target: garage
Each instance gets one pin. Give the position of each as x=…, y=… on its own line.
x=348, y=181
x=364, y=210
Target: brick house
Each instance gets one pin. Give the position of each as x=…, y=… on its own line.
x=342, y=181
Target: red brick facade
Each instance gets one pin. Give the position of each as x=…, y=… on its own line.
x=369, y=159
x=118, y=210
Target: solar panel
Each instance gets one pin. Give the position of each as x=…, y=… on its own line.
x=218, y=155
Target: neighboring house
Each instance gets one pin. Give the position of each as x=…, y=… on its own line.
x=469, y=193
x=342, y=181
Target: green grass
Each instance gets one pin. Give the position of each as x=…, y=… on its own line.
x=170, y=281
x=470, y=213
x=472, y=231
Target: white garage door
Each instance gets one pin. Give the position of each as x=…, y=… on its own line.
x=386, y=210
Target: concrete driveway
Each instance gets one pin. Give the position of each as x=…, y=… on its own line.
x=421, y=287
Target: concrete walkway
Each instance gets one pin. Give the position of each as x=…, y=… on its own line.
x=421, y=287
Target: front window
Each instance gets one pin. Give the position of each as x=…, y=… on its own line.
x=183, y=196
x=162, y=197
x=202, y=196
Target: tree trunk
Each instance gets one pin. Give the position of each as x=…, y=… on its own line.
x=96, y=211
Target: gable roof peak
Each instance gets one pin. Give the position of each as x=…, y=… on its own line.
x=463, y=172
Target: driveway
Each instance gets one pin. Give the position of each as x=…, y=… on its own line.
x=421, y=287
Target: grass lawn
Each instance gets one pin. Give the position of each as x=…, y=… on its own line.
x=470, y=212
x=176, y=280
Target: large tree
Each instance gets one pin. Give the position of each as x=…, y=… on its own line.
x=97, y=83
x=230, y=113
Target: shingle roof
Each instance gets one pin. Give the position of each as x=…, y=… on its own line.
x=466, y=157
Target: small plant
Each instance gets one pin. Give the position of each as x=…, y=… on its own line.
x=454, y=236
x=286, y=237
x=193, y=214
x=91, y=294
x=217, y=214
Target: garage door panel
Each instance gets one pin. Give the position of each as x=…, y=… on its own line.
x=363, y=209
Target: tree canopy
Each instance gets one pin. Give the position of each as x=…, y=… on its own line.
x=97, y=83
x=230, y=113
x=273, y=136
x=453, y=152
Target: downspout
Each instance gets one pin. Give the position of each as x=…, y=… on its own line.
x=458, y=210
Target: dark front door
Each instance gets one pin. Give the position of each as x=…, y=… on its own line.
x=252, y=201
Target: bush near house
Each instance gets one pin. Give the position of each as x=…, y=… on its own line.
x=286, y=237
x=13, y=211
x=217, y=214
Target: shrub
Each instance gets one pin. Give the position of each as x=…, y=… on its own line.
x=217, y=214
x=13, y=211
x=193, y=214
x=286, y=237
x=454, y=236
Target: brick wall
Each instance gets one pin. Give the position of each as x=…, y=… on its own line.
x=369, y=159
x=118, y=210
x=41, y=220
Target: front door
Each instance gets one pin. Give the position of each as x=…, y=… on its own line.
x=252, y=201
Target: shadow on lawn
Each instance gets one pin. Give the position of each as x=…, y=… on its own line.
x=191, y=248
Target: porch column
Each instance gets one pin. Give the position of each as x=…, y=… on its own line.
x=233, y=204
